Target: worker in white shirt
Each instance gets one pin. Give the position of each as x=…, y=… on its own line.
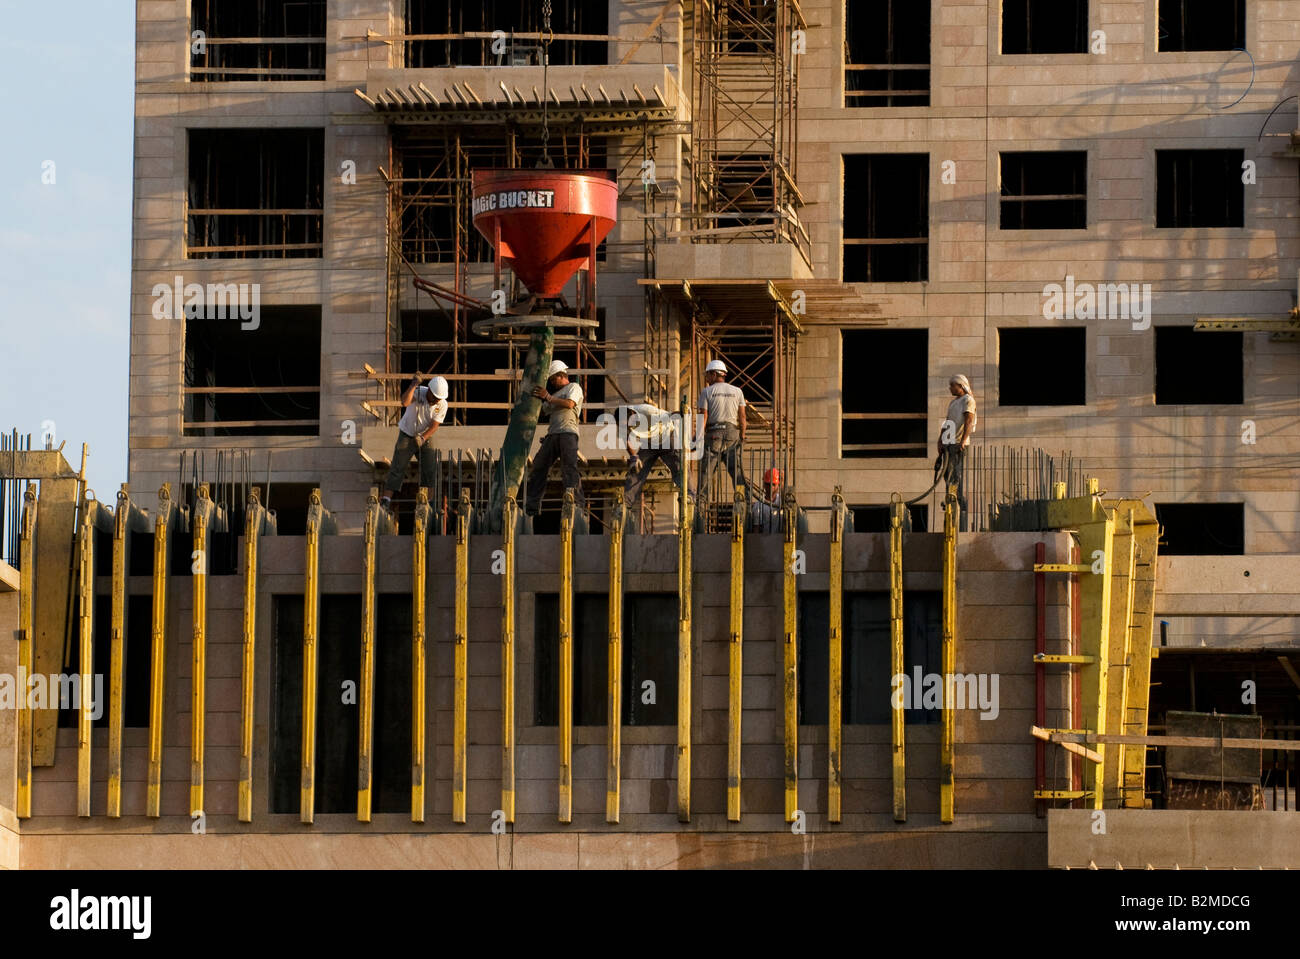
x=562, y=402
x=652, y=435
x=426, y=408
x=723, y=406
x=954, y=438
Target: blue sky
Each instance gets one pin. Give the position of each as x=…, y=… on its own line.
x=67, y=72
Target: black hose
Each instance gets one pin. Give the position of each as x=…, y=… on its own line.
x=940, y=471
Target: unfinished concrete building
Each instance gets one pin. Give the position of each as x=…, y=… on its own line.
x=1090, y=210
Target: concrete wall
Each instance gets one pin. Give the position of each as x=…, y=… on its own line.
x=1172, y=838
x=994, y=758
x=1120, y=107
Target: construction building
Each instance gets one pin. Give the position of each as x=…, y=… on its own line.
x=1090, y=210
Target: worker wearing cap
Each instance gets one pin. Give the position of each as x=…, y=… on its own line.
x=652, y=435
x=562, y=402
x=954, y=438
x=723, y=406
x=426, y=408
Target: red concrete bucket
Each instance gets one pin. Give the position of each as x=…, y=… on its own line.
x=544, y=223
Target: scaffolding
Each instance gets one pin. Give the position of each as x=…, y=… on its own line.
x=744, y=146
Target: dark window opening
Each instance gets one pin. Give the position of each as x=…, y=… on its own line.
x=875, y=519
x=448, y=20
x=1044, y=26
x=1199, y=188
x=338, y=722
x=886, y=218
x=1202, y=529
x=883, y=393
x=255, y=193
x=649, y=659
x=262, y=381
x=137, y=665
x=1198, y=368
x=433, y=200
x=1044, y=191
x=867, y=686
x=1187, y=25
x=1042, y=366
x=887, y=44
x=289, y=40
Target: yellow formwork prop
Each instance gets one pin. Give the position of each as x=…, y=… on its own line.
x=565, y=806
x=735, y=664
x=897, y=510
x=614, y=708
x=1146, y=534
x=790, y=660
x=460, y=663
x=509, y=517
x=85, y=626
x=948, y=643
x=310, y=655
x=26, y=624
x=253, y=517
x=684, y=630
x=419, y=632
x=203, y=511
x=366, y=713
x=117, y=653
x=158, y=650
x=835, y=692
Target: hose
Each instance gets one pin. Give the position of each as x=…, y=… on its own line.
x=940, y=471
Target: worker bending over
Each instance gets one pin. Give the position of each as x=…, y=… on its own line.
x=562, y=402
x=652, y=435
x=723, y=406
x=426, y=408
x=954, y=437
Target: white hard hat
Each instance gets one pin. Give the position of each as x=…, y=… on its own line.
x=438, y=387
x=557, y=366
x=716, y=366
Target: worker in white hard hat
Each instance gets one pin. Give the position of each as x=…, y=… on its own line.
x=562, y=402
x=652, y=435
x=723, y=406
x=954, y=438
x=426, y=408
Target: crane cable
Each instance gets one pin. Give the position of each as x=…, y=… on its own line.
x=546, y=163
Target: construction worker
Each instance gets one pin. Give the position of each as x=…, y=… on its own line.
x=652, y=435
x=954, y=437
x=562, y=402
x=765, y=514
x=723, y=406
x=426, y=408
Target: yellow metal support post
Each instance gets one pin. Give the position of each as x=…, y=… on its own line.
x=419, y=631
x=566, y=658
x=366, y=733
x=26, y=625
x=203, y=510
x=460, y=662
x=509, y=517
x=310, y=650
x=684, y=601
x=790, y=661
x=86, y=596
x=735, y=664
x=158, y=651
x=117, y=652
x=896, y=665
x=252, y=532
x=1145, y=537
x=614, y=712
x=1120, y=560
x=835, y=700
x=948, y=641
